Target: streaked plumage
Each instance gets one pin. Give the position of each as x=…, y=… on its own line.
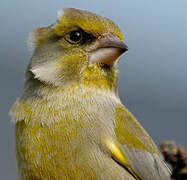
x=70, y=122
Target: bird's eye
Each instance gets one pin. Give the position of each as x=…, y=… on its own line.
x=74, y=36
x=78, y=36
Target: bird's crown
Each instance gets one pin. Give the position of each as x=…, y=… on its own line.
x=70, y=19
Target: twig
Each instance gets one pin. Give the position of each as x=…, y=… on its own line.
x=176, y=156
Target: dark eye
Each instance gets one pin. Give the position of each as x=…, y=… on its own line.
x=78, y=36
x=75, y=36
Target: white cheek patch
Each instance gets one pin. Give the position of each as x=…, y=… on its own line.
x=105, y=55
x=46, y=72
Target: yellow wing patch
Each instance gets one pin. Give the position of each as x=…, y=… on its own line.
x=120, y=157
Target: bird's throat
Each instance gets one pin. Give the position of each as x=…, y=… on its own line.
x=98, y=76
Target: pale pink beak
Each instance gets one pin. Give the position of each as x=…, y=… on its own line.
x=108, y=49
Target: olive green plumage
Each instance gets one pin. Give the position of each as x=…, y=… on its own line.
x=70, y=123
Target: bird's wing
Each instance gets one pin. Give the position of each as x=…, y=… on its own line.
x=134, y=149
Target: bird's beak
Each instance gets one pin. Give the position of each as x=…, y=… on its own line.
x=108, y=49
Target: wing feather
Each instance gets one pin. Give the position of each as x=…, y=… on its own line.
x=138, y=148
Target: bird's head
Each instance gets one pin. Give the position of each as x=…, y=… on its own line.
x=81, y=47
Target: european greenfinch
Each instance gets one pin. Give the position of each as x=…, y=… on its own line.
x=70, y=122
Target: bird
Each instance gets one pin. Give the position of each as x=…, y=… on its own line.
x=70, y=123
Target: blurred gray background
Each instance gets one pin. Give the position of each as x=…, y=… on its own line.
x=153, y=73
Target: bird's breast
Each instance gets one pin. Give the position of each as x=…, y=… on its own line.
x=53, y=137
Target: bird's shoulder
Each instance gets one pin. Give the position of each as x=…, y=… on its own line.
x=129, y=131
x=134, y=149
